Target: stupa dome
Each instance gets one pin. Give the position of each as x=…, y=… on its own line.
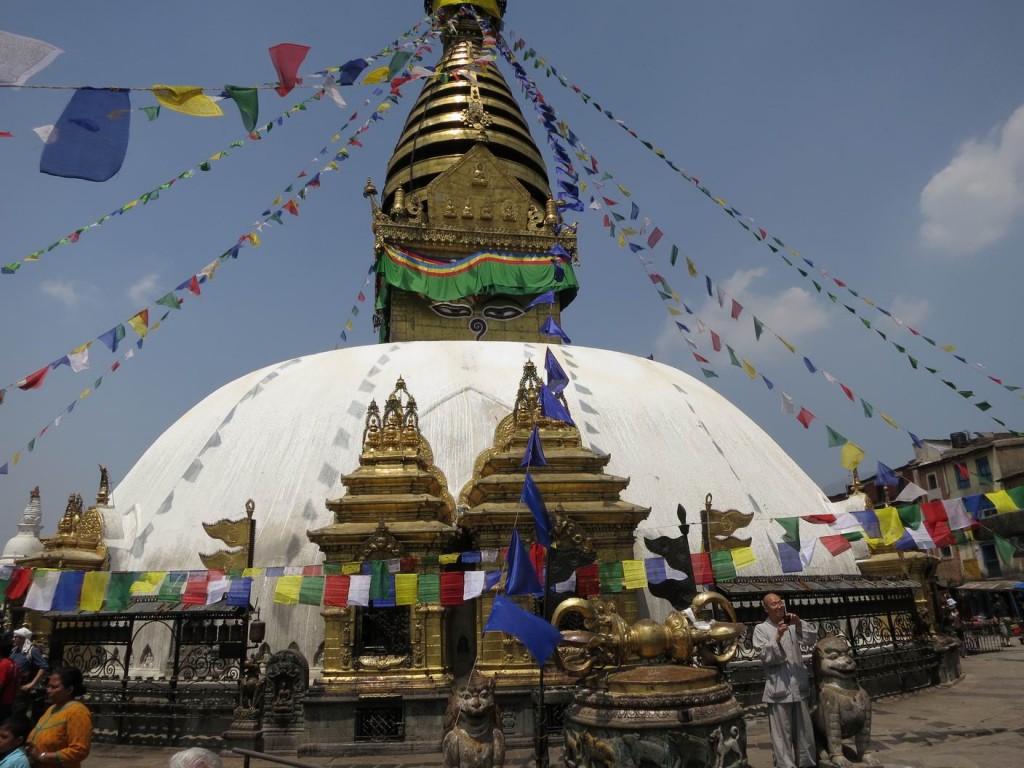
x=26, y=541
x=285, y=434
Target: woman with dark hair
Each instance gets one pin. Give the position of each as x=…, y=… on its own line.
x=10, y=676
x=63, y=735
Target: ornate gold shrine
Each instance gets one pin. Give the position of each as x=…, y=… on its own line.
x=397, y=505
x=587, y=512
x=79, y=543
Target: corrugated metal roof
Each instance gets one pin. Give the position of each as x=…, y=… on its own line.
x=991, y=586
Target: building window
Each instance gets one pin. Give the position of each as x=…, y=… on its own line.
x=933, y=481
x=963, y=476
x=383, y=632
x=990, y=559
x=984, y=470
x=947, y=552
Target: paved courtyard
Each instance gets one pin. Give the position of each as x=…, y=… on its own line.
x=977, y=723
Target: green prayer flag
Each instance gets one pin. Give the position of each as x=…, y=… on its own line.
x=910, y=516
x=611, y=576
x=171, y=588
x=853, y=536
x=867, y=323
x=982, y=406
x=816, y=286
x=913, y=362
x=722, y=566
x=170, y=301
x=380, y=580
x=247, y=101
x=833, y=297
x=398, y=62
x=428, y=588
x=674, y=256
x=869, y=409
x=1006, y=548
x=758, y=328
x=791, y=526
x=311, y=590
x=152, y=112
x=708, y=374
x=119, y=591
x=834, y=438
x=1017, y=494
x=732, y=357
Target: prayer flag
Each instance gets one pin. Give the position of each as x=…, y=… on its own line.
x=91, y=136
x=247, y=101
x=69, y=588
x=34, y=380
x=911, y=492
x=722, y=565
x=336, y=590
x=522, y=577
x=836, y=544
x=311, y=590
x=805, y=417
x=452, y=589
x=189, y=99
x=405, y=588
x=885, y=476
x=789, y=557
x=286, y=58
x=534, y=455
x=286, y=591
x=702, y=572
x=634, y=574
x=551, y=328
x=22, y=57
x=94, y=589
x=44, y=585
x=552, y=408
x=542, y=522
x=538, y=635
x=548, y=297
x=558, y=379
x=851, y=456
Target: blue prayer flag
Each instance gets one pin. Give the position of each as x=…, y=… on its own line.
x=557, y=377
x=534, y=456
x=90, y=138
x=552, y=407
x=532, y=498
x=69, y=588
x=539, y=636
x=550, y=328
x=522, y=577
x=548, y=297
x=789, y=557
x=869, y=522
x=885, y=476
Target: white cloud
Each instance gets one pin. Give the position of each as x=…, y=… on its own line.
x=64, y=291
x=794, y=314
x=974, y=201
x=142, y=291
x=910, y=310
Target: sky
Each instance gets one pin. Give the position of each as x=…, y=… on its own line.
x=884, y=142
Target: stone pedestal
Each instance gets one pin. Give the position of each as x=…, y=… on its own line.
x=665, y=715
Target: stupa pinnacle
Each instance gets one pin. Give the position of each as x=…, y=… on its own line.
x=467, y=232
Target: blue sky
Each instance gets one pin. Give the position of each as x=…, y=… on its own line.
x=883, y=141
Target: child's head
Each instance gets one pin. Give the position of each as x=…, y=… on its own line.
x=13, y=732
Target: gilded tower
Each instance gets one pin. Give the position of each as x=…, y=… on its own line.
x=466, y=231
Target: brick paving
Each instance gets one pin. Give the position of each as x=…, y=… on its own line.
x=976, y=723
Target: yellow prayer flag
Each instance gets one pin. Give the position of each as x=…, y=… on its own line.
x=890, y=525
x=451, y=557
x=84, y=393
x=94, y=589
x=1002, y=501
x=888, y=420
x=851, y=456
x=251, y=572
x=749, y=369
x=348, y=324
x=742, y=557
x=378, y=75
x=406, y=586
x=254, y=239
x=622, y=189
x=148, y=583
x=15, y=458
x=788, y=346
x=675, y=311
x=189, y=99
x=622, y=240
x=634, y=574
x=948, y=348
x=139, y=324
x=129, y=206
x=351, y=568
x=217, y=156
x=287, y=589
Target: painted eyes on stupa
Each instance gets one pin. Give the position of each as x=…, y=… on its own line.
x=504, y=312
x=448, y=309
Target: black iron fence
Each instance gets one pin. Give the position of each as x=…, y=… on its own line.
x=158, y=674
x=878, y=618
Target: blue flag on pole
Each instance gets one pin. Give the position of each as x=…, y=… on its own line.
x=548, y=297
x=550, y=328
x=551, y=407
x=534, y=456
x=522, y=576
x=531, y=498
x=539, y=636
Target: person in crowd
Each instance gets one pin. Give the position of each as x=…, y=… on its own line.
x=13, y=731
x=10, y=676
x=777, y=641
x=63, y=735
x=32, y=668
x=196, y=757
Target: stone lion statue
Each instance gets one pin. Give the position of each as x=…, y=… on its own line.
x=473, y=737
x=844, y=708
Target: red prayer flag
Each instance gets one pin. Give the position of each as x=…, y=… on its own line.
x=292, y=208
x=701, y=358
x=847, y=390
x=827, y=519
x=195, y=589
x=588, y=580
x=21, y=580
x=193, y=285
x=716, y=342
x=336, y=591
x=805, y=417
x=35, y=380
x=934, y=511
x=538, y=554
x=736, y=309
x=286, y=58
x=940, y=533
x=702, y=572
x=6, y=135
x=654, y=238
x=452, y=588
x=835, y=544
x=609, y=201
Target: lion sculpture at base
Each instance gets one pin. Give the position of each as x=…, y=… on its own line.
x=844, y=708
x=473, y=737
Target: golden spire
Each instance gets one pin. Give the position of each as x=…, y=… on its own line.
x=466, y=102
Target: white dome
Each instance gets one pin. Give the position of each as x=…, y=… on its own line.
x=284, y=435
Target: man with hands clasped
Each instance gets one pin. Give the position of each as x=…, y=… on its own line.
x=777, y=641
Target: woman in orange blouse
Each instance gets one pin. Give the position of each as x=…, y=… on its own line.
x=63, y=735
